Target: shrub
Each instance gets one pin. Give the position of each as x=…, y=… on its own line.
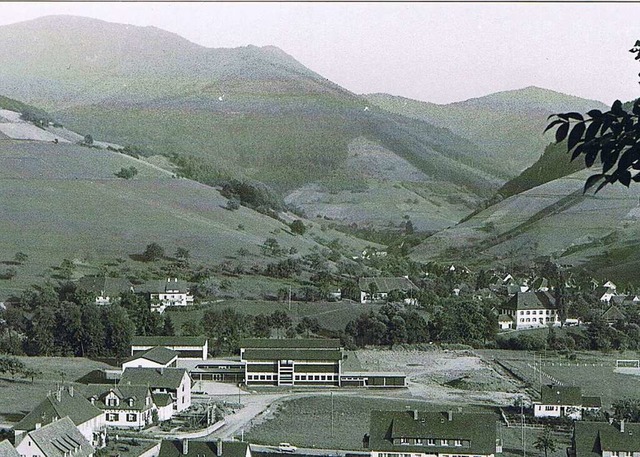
x=127, y=173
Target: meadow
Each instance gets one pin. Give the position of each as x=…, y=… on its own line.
x=19, y=396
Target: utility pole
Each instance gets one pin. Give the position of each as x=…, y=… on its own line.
x=289, y=298
x=524, y=451
x=239, y=393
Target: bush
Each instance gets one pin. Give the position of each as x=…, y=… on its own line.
x=298, y=227
x=232, y=204
x=127, y=173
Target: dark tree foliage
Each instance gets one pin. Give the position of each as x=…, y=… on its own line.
x=612, y=136
x=298, y=227
x=152, y=252
x=127, y=173
x=388, y=326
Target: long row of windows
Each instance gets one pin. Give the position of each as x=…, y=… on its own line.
x=298, y=377
x=534, y=319
x=548, y=312
x=430, y=442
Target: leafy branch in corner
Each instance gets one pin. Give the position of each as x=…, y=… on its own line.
x=613, y=136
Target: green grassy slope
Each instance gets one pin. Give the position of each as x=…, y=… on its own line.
x=248, y=112
x=63, y=201
x=508, y=125
x=554, y=219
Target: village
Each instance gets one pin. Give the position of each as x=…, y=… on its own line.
x=175, y=395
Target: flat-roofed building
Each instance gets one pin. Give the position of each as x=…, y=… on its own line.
x=292, y=362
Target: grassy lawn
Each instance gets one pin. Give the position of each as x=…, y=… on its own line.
x=512, y=442
x=592, y=371
x=19, y=396
x=331, y=315
x=306, y=421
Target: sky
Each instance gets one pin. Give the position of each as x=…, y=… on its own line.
x=437, y=52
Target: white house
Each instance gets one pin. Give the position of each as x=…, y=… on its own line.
x=60, y=438
x=175, y=382
x=529, y=310
x=156, y=357
x=103, y=288
x=376, y=289
x=65, y=402
x=171, y=292
x=124, y=406
x=564, y=401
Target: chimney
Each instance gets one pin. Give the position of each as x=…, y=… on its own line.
x=71, y=391
x=450, y=415
x=59, y=395
x=415, y=414
x=38, y=425
x=185, y=446
x=219, y=448
x=622, y=426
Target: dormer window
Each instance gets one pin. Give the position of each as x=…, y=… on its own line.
x=457, y=443
x=112, y=401
x=444, y=442
x=431, y=442
x=131, y=402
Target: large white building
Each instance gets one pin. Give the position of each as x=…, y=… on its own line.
x=529, y=310
x=175, y=382
x=564, y=401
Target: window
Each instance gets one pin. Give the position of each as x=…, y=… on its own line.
x=522, y=320
x=528, y=312
x=131, y=402
x=431, y=442
x=528, y=320
x=534, y=319
x=418, y=440
x=112, y=401
x=113, y=417
x=534, y=312
x=131, y=417
x=457, y=443
x=549, y=408
x=404, y=441
x=444, y=442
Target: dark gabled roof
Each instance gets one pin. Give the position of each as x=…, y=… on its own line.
x=168, y=378
x=60, y=438
x=613, y=314
x=125, y=392
x=168, y=341
x=477, y=428
x=78, y=408
x=387, y=284
x=163, y=285
x=161, y=400
x=289, y=343
x=158, y=354
x=560, y=395
x=99, y=284
x=592, y=438
x=531, y=300
x=591, y=402
x=7, y=449
x=195, y=448
x=292, y=354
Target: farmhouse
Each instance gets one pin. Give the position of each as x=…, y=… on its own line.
x=89, y=419
x=163, y=294
x=561, y=401
x=124, y=406
x=156, y=357
x=58, y=439
x=197, y=448
x=289, y=362
x=432, y=434
x=376, y=290
x=103, y=288
x=530, y=309
x=175, y=382
x=604, y=439
x=613, y=315
x=187, y=347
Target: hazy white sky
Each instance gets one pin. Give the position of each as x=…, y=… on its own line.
x=439, y=52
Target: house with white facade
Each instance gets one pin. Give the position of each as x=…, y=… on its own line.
x=564, y=401
x=529, y=310
x=65, y=402
x=59, y=438
x=202, y=448
x=432, y=434
x=124, y=406
x=175, y=382
x=376, y=289
x=156, y=357
x=164, y=294
x=104, y=289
